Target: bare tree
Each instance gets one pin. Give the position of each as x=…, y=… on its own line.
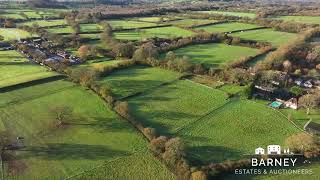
x=61, y=114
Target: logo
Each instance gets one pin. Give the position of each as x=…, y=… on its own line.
x=275, y=160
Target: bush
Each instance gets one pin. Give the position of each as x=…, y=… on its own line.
x=150, y=133
x=122, y=108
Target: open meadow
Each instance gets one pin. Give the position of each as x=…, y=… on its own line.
x=16, y=69
x=208, y=121
x=45, y=23
x=301, y=19
x=214, y=54
x=129, y=24
x=191, y=22
x=161, y=32
x=226, y=13
x=136, y=79
x=14, y=34
x=267, y=35
x=93, y=137
x=227, y=27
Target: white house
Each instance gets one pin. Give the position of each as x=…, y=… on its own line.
x=259, y=150
x=274, y=149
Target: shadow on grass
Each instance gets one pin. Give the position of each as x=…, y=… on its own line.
x=60, y=151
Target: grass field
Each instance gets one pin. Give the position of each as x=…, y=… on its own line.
x=227, y=27
x=92, y=138
x=87, y=28
x=154, y=19
x=45, y=23
x=213, y=127
x=162, y=32
x=302, y=19
x=127, y=24
x=215, y=54
x=16, y=69
x=173, y=106
x=14, y=34
x=32, y=14
x=238, y=14
x=137, y=79
x=191, y=22
x=276, y=38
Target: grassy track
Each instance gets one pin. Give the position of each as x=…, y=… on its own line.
x=93, y=136
x=137, y=79
x=276, y=38
x=161, y=32
x=215, y=54
x=227, y=27
x=238, y=14
x=16, y=69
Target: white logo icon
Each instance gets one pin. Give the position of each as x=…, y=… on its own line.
x=274, y=149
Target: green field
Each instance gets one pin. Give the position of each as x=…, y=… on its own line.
x=302, y=19
x=137, y=79
x=127, y=24
x=276, y=38
x=215, y=54
x=45, y=23
x=213, y=127
x=238, y=14
x=191, y=22
x=227, y=27
x=87, y=28
x=16, y=69
x=93, y=138
x=14, y=34
x=155, y=19
x=161, y=32
x=32, y=14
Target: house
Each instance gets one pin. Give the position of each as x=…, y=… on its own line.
x=291, y=103
x=312, y=127
x=274, y=149
x=259, y=150
x=308, y=84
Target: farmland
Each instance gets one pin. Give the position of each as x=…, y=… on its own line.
x=238, y=14
x=45, y=23
x=267, y=35
x=14, y=34
x=57, y=152
x=128, y=24
x=227, y=27
x=215, y=55
x=162, y=32
x=301, y=19
x=87, y=28
x=191, y=22
x=31, y=14
x=16, y=69
x=168, y=110
x=137, y=79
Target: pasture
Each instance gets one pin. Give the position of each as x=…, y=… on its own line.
x=301, y=19
x=191, y=22
x=84, y=28
x=136, y=79
x=213, y=126
x=128, y=24
x=266, y=35
x=16, y=69
x=155, y=19
x=160, y=32
x=170, y=108
x=30, y=13
x=226, y=13
x=227, y=27
x=91, y=138
x=14, y=34
x=214, y=54
x=45, y=23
